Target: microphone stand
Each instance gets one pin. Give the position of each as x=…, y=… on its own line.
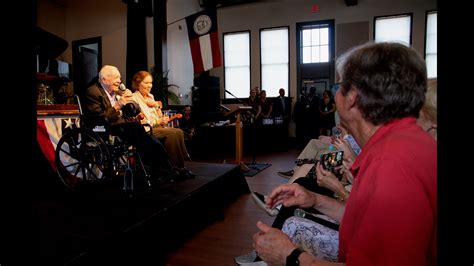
x=239, y=100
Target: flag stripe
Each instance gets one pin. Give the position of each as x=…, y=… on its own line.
x=206, y=53
x=196, y=55
x=45, y=143
x=216, y=54
x=48, y=133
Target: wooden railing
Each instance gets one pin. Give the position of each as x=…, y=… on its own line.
x=57, y=109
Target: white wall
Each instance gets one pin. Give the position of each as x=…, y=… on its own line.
x=107, y=18
x=76, y=20
x=272, y=13
x=179, y=62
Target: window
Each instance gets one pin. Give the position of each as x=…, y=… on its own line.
x=315, y=54
x=431, y=48
x=393, y=29
x=237, y=64
x=274, y=54
x=315, y=44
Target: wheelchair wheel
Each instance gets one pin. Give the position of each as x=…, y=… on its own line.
x=82, y=157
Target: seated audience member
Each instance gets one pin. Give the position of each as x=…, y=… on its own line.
x=388, y=185
x=314, y=237
x=318, y=239
x=309, y=234
x=103, y=101
x=305, y=175
x=315, y=147
x=187, y=123
x=142, y=83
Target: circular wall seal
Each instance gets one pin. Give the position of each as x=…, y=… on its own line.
x=202, y=24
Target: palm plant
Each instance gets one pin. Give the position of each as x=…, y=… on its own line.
x=161, y=88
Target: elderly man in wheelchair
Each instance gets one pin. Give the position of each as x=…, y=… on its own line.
x=111, y=141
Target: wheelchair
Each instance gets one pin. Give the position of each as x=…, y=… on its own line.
x=85, y=156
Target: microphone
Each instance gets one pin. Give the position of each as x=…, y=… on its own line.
x=240, y=101
x=122, y=87
x=316, y=218
x=229, y=92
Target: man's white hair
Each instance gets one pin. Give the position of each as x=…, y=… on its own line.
x=108, y=71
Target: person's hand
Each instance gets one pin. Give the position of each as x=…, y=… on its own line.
x=163, y=121
x=343, y=129
x=290, y=195
x=127, y=93
x=347, y=174
x=343, y=145
x=151, y=103
x=326, y=178
x=272, y=245
x=347, y=163
x=125, y=98
x=166, y=119
x=325, y=139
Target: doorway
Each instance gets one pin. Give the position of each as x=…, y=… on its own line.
x=315, y=56
x=86, y=62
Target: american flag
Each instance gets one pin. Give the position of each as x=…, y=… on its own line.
x=48, y=132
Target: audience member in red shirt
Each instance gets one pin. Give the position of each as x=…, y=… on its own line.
x=390, y=217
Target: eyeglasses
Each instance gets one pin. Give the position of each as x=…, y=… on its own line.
x=431, y=128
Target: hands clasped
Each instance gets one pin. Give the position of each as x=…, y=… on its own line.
x=151, y=103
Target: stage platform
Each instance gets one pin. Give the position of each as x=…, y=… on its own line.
x=106, y=226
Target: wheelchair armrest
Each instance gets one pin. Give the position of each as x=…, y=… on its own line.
x=92, y=121
x=148, y=128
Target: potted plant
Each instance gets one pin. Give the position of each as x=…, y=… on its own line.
x=161, y=88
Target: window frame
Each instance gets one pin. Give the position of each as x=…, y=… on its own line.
x=317, y=72
x=426, y=38
x=224, y=64
x=319, y=26
x=394, y=16
x=287, y=89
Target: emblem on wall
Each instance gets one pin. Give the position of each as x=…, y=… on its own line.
x=202, y=24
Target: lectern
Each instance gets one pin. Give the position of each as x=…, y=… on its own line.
x=238, y=134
